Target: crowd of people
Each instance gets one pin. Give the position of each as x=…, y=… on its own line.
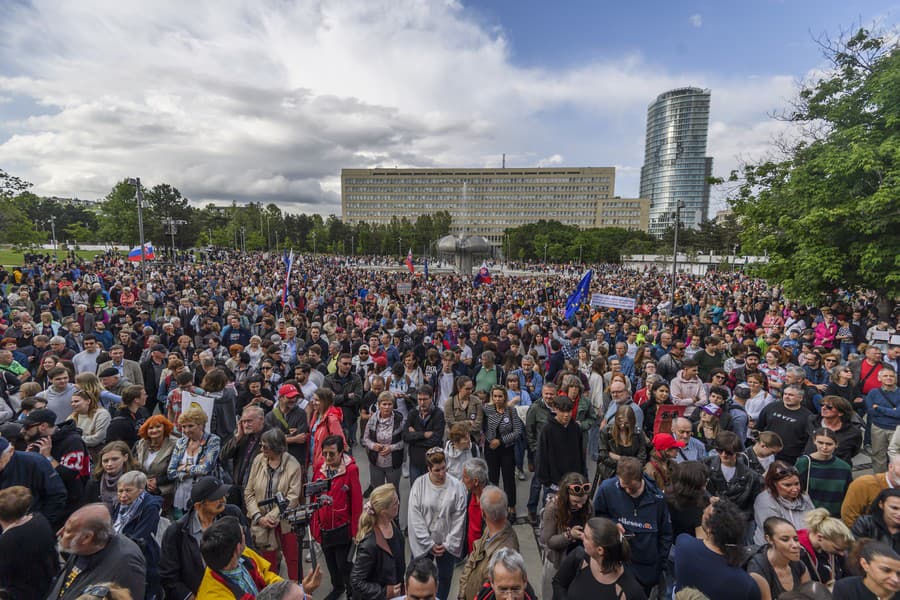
x=175, y=435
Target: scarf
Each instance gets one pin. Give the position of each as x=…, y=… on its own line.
x=109, y=488
x=127, y=513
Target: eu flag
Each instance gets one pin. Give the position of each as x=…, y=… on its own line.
x=580, y=294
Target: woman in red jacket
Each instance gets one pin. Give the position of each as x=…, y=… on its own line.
x=324, y=421
x=335, y=524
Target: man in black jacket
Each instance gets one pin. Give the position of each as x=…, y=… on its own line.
x=97, y=554
x=730, y=475
x=35, y=473
x=181, y=565
x=425, y=429
x=63, y=446
x=348, y=394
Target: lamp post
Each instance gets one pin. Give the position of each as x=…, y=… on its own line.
x=314, y=242
x=136, y=181
x=243, y=240
x=399, y=246
x=545, y=252
x=678, y=206
x=53, y=229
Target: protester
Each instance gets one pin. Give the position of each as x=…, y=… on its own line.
x=712, y=563
x=825, y=542
x=335, y=525
x=498, y=534
x=782, y=498
x=562, y=525
x=597, y=569
x=883, y=521
x=502, y=430
x=776, y=566
x=113, y=461
x=97, y=554
x=380, y=565
x=28, y=561
x=232, y=569
x=881, y=579
x=824, y=477
x=437, y=508
x=153, y=452
x=273, y=471
x=195, y=454
x=136, y=516
x=383, y=440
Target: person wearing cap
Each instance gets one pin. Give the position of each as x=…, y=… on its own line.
x=638, y=507
x=662, y=458
x=35, y=472
x=363, y=362
x=112, y=381
x=739, y=374
x=63, y=446
x=288, y=417
x=181, y=564
x=128, y=369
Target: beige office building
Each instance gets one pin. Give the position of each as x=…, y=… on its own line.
x=488, y=201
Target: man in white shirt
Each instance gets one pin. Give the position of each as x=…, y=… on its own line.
x=86, y=360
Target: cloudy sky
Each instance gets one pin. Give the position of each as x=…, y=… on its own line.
x=267, y=100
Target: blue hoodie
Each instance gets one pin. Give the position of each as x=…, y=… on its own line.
x=646, y=518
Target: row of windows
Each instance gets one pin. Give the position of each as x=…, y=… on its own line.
x=460, y=179
x=475, y=190
x=368, y=199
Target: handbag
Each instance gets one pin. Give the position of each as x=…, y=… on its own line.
x=338, y=536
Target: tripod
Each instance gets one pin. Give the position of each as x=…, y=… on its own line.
x=299, y=518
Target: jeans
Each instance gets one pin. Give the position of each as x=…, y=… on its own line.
x=415, y=471
x=520, y=452
x=881, y=438
x=593, y=445
x=534, y=494
x=445, y=564
x=381, y=475
x=847, y=348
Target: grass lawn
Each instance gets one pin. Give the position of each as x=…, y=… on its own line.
x=11, y=258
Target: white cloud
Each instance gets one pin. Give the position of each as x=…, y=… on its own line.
x=268, y=100
x=555, y=159
x=696, y=20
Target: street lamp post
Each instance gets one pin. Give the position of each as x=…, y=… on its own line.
x=678, y=206
x=400, y=246
x=243, y=240
x=53, y=229
x=545, y=252
x=580, y=262
x=314, y=242
x=136, y=181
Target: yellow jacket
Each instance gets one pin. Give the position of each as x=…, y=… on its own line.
x=213, y=586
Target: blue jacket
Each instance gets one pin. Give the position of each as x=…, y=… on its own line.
x=887, y=415
x=141, y=528
x=536, y=380
x=34, y=472
x=648, y=520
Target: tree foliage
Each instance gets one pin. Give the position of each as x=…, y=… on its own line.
x=827, y=213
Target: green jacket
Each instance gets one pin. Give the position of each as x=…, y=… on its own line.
x=537, y=416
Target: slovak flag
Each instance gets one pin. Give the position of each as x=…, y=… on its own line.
x=134, y=255
x=483, y=276
x=409, y=262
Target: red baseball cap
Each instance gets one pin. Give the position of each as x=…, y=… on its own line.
x=665, y=441
x=289, y=391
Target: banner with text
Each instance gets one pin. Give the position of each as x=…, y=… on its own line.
x=622, y=302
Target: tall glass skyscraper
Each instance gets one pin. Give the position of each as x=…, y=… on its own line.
x=676, y=168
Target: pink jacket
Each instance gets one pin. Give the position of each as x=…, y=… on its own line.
x=825, y=334
x=688, y=392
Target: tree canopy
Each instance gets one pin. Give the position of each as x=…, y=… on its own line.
x=827, y=212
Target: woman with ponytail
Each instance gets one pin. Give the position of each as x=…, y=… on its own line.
x=378, y=571
x=711, y=561
x=825, y=541
x=598, y=568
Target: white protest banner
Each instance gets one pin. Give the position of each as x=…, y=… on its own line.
x=204, y=403
x=622, y=302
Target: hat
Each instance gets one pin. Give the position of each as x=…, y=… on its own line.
x=364, y=347
x=663, y=442
x=711, y=409
x=159, y=348
x=38, y=416
x=208, y=488
x=754, y=352
x=288, y=391
x=109, y=372
x=427, y=339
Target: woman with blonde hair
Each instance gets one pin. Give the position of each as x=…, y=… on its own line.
x=825, y=542
x=91, y=418
x=90, y=383
x=196, y=454
x=380, y=564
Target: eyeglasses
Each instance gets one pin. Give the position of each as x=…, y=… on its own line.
x=784, y=472
x=508, y=592
x=725, y=452
x=579, y=489
x=330, y=453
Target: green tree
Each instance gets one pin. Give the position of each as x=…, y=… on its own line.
x=827, y=213
x=15, y=225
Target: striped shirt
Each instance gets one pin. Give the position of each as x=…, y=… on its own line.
x=826, y=481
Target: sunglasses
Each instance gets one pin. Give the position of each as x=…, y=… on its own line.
x=579, y=489
x=725, y=452
x=828, y=406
